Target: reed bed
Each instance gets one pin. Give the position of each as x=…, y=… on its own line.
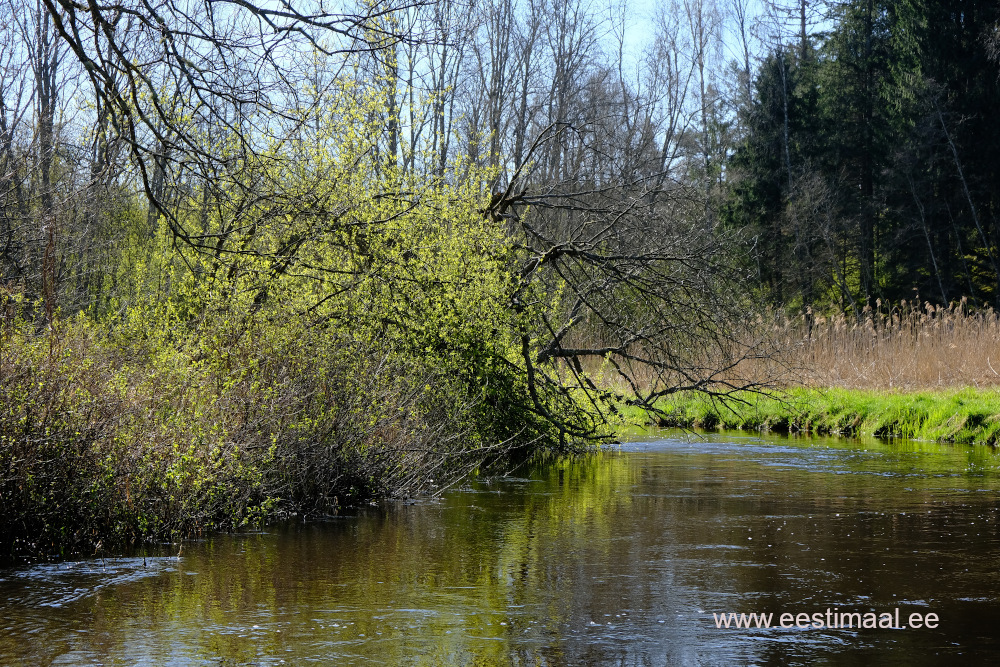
x=907, y=346
x=904, y=370
x=902, y=347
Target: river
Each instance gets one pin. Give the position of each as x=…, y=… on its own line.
x=624, y=557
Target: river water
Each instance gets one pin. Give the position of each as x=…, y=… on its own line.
x=625, y=557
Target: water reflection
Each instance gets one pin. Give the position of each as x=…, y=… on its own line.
x=616, y=558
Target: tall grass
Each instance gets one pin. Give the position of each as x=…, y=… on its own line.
x=907, y=346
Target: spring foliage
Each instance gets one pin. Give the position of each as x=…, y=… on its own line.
x=338, y=330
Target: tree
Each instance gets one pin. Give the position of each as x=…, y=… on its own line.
x=303, y=164
x=233, y=62
x=878, y=124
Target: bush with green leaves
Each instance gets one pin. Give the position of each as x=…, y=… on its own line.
x=334, y=329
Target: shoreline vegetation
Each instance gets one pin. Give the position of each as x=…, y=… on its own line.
x=114, y=438
x=901, y=370
x=162, y=427
x=962, y=416
x=340, y=259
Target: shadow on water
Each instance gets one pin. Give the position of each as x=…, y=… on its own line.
x=621, y=557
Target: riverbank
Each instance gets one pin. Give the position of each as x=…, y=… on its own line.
x=143, y=432
x=154, y=427
x=966, y=416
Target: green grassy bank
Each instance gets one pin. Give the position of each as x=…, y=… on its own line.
x=968, y=416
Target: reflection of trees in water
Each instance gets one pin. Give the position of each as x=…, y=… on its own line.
x=610, y=556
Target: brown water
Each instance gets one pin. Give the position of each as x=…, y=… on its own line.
x=619, y=558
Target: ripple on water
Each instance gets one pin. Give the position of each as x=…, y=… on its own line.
x=621, y=558
x=59, y=584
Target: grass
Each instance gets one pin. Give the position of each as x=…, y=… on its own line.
x=968, y=416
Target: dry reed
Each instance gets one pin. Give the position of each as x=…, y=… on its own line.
x=906, y=346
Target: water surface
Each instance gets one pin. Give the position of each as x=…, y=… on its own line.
x=617, y=558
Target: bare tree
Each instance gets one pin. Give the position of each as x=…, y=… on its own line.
x=37, y=172
x=492, y=73
x=15, y=100
x=235, y=61
x=651, y=302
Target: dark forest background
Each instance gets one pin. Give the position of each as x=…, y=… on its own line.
x=867, y=165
